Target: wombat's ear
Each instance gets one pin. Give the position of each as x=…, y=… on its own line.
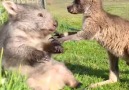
x=11, y=7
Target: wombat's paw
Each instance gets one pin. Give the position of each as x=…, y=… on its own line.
x=55, y=42
x=44, y=59
x=57, y=47
x=39, y=56
x=78, y=85
x=75, y=84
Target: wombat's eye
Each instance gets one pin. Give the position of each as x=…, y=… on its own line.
x=40, y=14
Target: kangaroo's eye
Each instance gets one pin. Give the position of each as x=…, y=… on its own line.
x=40, y=14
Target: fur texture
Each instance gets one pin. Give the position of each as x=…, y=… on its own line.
x=110, y=31
x=28, y=48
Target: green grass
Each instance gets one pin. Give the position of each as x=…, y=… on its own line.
x=3, y=15
x=86, y=59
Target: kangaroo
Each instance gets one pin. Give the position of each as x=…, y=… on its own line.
x=110, y=31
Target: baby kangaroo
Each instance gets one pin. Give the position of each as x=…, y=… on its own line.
x=110, y=31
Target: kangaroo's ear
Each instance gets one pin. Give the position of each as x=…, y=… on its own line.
x=11, y=7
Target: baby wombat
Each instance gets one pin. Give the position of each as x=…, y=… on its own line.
x=28, y=49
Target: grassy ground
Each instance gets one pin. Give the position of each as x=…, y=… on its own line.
x=86, y=59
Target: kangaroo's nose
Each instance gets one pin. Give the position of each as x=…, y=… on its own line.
x=69, y=8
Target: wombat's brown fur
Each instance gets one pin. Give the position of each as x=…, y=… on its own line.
x=111, y=31
x=26, y=43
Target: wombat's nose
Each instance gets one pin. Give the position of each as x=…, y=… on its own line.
x=55, y=23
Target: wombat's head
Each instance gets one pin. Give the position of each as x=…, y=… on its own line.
x=30, y=17
x=82, y=6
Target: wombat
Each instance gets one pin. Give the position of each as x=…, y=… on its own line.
x=27, y=46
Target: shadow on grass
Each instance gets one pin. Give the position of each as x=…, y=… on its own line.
x=125, y=79
x=84, y=70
